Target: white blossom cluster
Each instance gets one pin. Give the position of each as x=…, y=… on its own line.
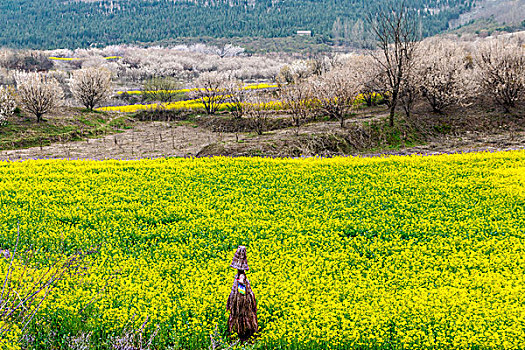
x=7, y=104
x=38, y=93
x=136, y=64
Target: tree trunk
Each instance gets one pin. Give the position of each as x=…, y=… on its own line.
x=407, y=108
x=392, y=111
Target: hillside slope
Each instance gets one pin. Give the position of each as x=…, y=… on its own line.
x=509, y=12
x=83, y=23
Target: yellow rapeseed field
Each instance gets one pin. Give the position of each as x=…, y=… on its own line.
x=256, y=86
x=79, y=59
x=195, y=104
x=345, y=253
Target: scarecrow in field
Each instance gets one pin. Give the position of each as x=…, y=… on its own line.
x=241, y=302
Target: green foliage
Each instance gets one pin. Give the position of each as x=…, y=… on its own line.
x=71, y=24
x=163, y=90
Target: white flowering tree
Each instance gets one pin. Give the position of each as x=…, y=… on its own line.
x=444, y=78
x=335, y=93
x=501, y=71
x=38, y=94
x=296, y=71
x=91, y=86
x=370, y=76
x=7, y=104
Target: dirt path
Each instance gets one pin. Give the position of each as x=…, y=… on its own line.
x=154, y=140
x=145, y=140
x=470, y=142
x=162, y=139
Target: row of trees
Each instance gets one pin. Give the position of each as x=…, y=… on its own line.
x=404, y=71
x=184, y=62
x=39, y=93
x=439, y=72
x=132, y=65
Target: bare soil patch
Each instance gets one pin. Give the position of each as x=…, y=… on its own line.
x=145, y=140
x=365, y=134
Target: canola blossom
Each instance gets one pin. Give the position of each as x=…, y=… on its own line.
x=79, y=59
x=179, y=105
x=187, y=104
x=197, y=104
x=247, y=87
x=345, y=253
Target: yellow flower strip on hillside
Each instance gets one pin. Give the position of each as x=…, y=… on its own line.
x=188, y=104
x=247, y=87
x=64, y=58
x=421, y=252
x=195, y=104
x=79, y=59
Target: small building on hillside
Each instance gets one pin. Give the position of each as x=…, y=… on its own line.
x=304, y=32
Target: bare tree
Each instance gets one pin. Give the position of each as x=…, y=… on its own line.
x=37, y=93
x=7, y=104
x=210, y=91
x=162, y=90
x=409, y=91
x=501, y=72
x=91, y=86
x=257, y=110
x=24, y=288
x=296, y=98
x=396, y=31
x=336, y=92
x=236, y=97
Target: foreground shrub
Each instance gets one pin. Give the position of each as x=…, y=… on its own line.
x=25, y=288
x=163, y=90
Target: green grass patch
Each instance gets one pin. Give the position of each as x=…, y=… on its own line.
x=71, y=124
